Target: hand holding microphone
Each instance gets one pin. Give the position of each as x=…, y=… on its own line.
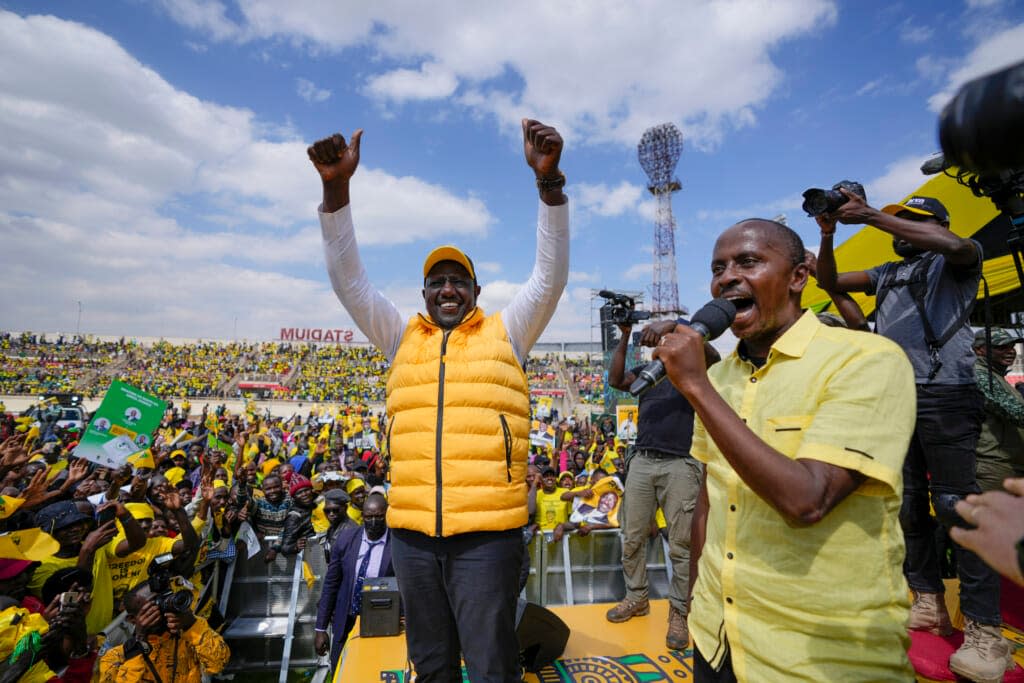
x=710, y=321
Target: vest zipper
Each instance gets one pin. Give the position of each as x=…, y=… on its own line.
x=440, y=425
x=506, y=433
x=391, y=427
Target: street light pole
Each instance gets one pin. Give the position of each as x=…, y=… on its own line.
x=78, y=326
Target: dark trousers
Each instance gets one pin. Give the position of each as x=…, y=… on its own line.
x=340, y=631
x=941, y=458
x=460, y=595
x=704, y=673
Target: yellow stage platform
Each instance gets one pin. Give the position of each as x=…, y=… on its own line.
x=597, y=652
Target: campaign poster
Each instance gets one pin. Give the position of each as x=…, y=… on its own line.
x=542, y=434
x=542, y=410
x=600, y=508
x=626, y=423
x=121, y=427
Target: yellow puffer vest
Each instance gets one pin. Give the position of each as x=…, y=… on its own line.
x=459, y=423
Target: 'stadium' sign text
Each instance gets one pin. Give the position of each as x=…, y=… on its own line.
x=316, y=334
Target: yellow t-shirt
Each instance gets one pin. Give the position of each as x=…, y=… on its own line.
x=126, y=572
x=102, y=610
x=828, y=601
x=551, y=509
x=319, y=519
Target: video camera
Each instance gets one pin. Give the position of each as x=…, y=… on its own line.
x=621, y=308
x=161, y=581
x=981, y=132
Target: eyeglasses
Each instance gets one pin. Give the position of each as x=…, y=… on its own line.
x=456, y=281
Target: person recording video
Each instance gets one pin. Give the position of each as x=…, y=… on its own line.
x=661, y=475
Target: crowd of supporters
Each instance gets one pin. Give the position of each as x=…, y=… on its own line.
x=33, y=364
x=94, y=533
x=341, y=373
x=588, y=377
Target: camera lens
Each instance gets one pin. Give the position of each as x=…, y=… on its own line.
x=815, y=202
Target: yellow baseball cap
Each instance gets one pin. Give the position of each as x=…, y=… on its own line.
x=449, y=252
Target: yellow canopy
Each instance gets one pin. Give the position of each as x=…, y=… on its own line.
x=968, y=214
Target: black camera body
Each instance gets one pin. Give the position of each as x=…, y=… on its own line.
x=818, y=201
x=161, y=575
x=621, y=308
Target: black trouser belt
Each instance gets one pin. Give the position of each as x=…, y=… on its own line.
x=656, y=454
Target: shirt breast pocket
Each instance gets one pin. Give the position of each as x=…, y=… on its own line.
x=785, y=433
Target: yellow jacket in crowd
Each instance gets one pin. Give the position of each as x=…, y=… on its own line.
x=199, y=650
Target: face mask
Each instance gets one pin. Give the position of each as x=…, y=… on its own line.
x=375, y=528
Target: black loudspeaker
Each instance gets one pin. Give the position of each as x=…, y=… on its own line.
x=542, y=635
x=380, y=612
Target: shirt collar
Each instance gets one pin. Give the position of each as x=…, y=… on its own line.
x=797, y=338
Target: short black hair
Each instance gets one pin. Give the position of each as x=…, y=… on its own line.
x=791, y=245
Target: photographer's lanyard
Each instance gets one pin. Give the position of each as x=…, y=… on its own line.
x=174, y=663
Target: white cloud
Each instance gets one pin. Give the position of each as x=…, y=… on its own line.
x=978, y=4
x=430, y=81
x=639, y=271
x=915, y=34
x=161, y=211
x=993, y=53
x=310, y=92
x=436, y=49
x=576, y=276
x=607, y=201
x=901, y=178
x=869, y=87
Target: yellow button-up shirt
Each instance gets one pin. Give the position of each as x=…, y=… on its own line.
x=826, y=602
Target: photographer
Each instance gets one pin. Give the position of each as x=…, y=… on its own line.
x=923, y=304
x=168, y=646
x=661, y=474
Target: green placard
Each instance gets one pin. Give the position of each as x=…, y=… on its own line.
x=122, y=426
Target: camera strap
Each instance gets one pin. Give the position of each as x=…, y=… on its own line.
x=916, y=282
x=152, y=667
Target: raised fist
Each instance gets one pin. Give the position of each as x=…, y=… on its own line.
x=333, y=158
x=542, y=146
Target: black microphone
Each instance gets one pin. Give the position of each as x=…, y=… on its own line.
x=711, y=321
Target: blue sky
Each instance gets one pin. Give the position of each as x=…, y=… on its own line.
x=153, y=160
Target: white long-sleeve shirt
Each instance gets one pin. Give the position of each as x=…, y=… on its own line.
x=378, y=318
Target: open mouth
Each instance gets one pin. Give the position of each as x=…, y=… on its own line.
x=449, y=308
x=742, y=303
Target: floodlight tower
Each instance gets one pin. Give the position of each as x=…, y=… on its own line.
x=659, y=150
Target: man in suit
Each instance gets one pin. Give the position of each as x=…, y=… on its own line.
x=359, y=552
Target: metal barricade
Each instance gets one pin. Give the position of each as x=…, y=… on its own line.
x=588, y=569
x=271, y=613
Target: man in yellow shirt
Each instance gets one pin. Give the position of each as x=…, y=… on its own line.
x=551, y=509
x=133, y=568
x=796, y=541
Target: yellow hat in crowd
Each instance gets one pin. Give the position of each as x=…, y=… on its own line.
x=140, y=510
x=174, y=475
x=142, y=459
x=29, y=544
x=9, y=505
x=219, y=484
x=354, y=485
x=269, y=465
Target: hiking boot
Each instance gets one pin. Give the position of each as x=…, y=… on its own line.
x=627, y=609
x=985, y=655
x=678, y=636
x=928, y=613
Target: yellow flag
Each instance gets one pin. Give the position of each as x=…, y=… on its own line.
x=308, y=575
